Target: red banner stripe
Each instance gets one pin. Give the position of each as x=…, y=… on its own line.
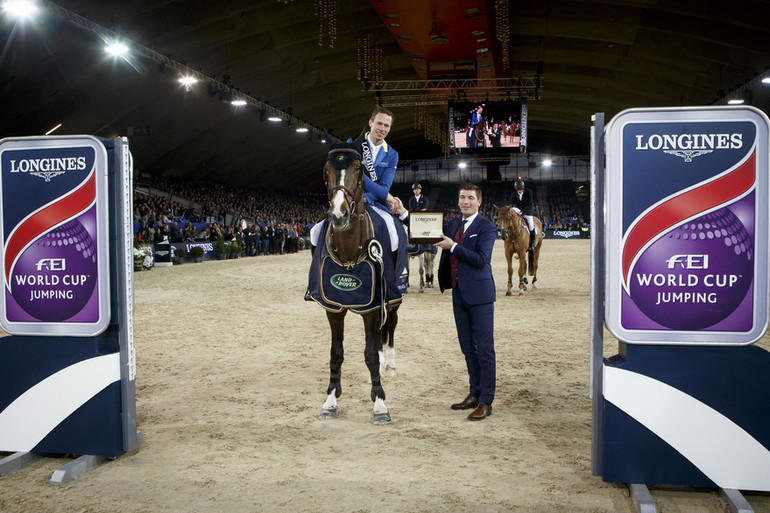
x=43, y=220
x=684, y=206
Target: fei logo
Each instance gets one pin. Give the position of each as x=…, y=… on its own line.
x=688, y=261
x=51, y=264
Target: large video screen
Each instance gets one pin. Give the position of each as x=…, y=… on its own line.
x=488, y=126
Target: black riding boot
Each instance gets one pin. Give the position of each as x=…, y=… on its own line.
x=532, y=237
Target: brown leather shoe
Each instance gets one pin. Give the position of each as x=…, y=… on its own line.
x=482, y=411
x=467, y=403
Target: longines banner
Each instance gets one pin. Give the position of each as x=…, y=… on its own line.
x=687, y=225
x=53, y=231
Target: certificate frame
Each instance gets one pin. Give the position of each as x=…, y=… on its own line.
x=426, y=226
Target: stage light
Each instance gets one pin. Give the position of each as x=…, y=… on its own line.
x=274, y=119
x=547, y=163
x=238, y=102
x=736, y=101
x=462, y=165
x=766, y=80
x=117, y=49
x=302, y=130
x=22, y=9
x=188, y=81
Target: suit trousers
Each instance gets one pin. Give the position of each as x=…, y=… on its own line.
x=475, y=331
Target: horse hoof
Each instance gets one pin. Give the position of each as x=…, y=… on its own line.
x=421, y=290
x=509, y=293
x=389, y=372
x=521, y=293
x=524, y=279
x=381, y=419
x=328, y=413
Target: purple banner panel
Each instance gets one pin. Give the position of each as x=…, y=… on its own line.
x=687, y=222
x=53, y=230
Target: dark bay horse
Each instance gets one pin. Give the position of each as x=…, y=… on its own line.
x=513, y=229
x=350, y=242
x=480, y=131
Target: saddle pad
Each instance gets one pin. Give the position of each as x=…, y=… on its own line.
x=352, y=287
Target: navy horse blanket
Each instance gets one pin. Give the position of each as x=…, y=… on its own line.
x=380, y=275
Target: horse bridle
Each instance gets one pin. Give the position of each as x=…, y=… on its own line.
x=350, y=196
x=520, y=223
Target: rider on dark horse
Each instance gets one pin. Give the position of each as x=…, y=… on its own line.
x=379, y=161
x=523, y=203
x=476, y=118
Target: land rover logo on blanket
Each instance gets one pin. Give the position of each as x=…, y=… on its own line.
x=345, y=282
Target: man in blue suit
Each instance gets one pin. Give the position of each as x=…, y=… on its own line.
x=465, y=267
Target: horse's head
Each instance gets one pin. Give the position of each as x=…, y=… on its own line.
x=344, y=183
x=505, y=220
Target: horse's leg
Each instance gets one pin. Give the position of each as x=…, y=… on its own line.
x=429, y=259
x=390, y=351
x=522, y=270
x=509, y=258
x=334, y=390
x=533, y=258
x=372, y=359
x=421, y=260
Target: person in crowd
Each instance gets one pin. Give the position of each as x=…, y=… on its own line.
x=465, y=267
x=523, y=202
x=267, y=238
x=278, y=239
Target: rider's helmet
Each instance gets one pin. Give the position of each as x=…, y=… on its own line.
x=416, y=185
x=519, y=185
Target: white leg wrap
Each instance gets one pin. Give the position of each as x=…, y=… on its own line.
x=379, y=407
x=331, y=402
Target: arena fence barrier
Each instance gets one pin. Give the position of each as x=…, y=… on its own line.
x=68, y=366
x=680, y=277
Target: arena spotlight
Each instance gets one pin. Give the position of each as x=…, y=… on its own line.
x=187, y=81
x=22, y=9
x=302, y=130
x=238, y=102
x=736, y=101
x=274, y=119
x=117, y=49
x=547, y=162
x=462, y=165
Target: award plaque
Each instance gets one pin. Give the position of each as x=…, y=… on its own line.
x=426, y=226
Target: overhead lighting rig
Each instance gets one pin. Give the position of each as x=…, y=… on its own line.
x=411, y=93
x=215, y=87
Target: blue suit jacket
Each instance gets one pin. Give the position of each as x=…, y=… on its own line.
x=474, y=255
x=385, y=164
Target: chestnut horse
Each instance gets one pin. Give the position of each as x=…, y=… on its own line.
x=513, y=229
x=350, y=241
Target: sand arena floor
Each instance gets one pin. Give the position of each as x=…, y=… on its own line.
x=232, y=368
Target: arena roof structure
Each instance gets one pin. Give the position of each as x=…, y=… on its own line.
x=323, y=65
